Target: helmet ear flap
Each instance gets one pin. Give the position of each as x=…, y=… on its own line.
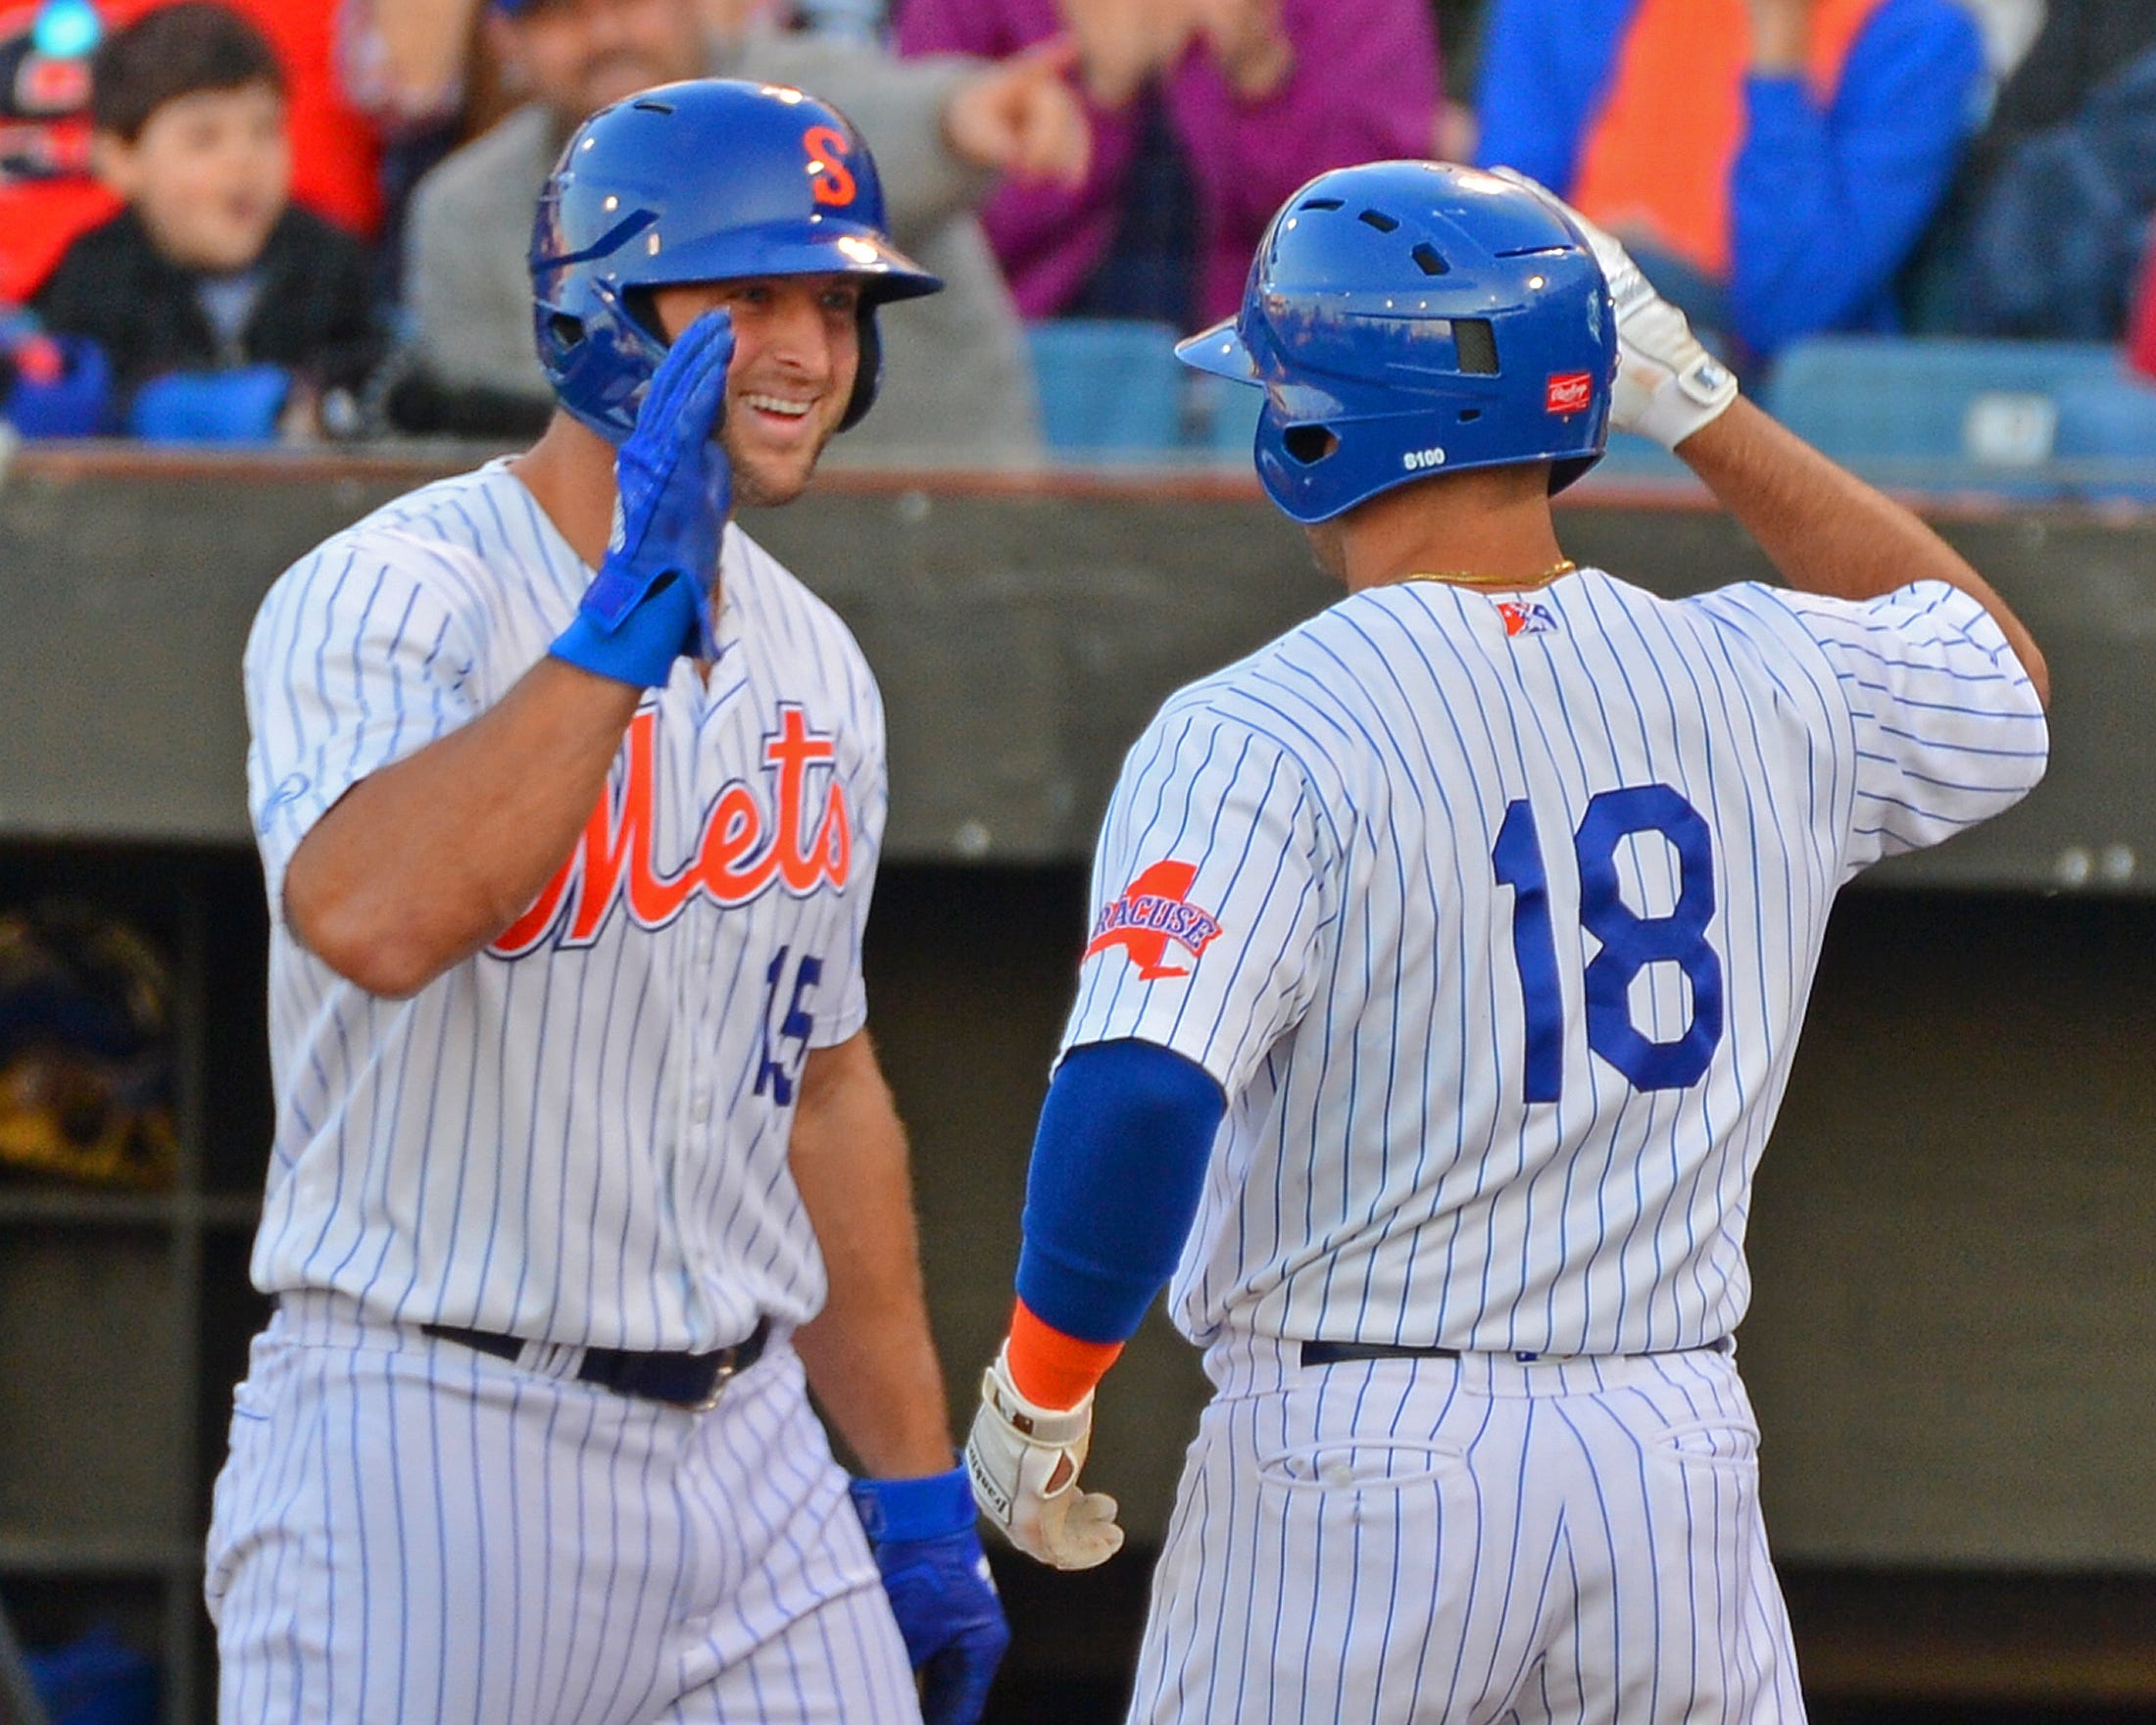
x=600, y=355
x=868, y=373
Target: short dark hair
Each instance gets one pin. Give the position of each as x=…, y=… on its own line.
x=175, y=51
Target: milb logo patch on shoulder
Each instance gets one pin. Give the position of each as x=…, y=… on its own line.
x=1154, y=911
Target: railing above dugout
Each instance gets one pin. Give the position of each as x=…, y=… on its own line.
x=1023, y=626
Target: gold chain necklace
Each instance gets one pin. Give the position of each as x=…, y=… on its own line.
x=1500, y=583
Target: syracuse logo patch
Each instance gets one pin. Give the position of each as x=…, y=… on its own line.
x=1152, y=911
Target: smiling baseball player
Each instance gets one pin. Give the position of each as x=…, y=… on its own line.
x=570, y=800
x=1448, y=966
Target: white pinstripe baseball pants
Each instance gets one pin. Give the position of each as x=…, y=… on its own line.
x=1469, y=1541
x=407, y=1530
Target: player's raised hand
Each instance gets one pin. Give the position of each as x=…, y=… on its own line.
x=1668, y=385
x=674, y=488
x=1020, y=117
x=1024, y=1460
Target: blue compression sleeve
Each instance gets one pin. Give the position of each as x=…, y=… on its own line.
x=1118, y=1164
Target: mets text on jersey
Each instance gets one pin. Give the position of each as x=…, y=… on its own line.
x=1154, y=910
x=742, y=852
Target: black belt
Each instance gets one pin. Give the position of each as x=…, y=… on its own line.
x=683, y=1380
x=1341, y=1353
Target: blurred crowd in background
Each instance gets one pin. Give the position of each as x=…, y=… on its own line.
x=303, y=220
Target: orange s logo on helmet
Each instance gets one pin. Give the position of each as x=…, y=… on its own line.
x=829, y=180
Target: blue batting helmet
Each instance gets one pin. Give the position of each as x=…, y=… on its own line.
x=1412, y=318
x=709, y=180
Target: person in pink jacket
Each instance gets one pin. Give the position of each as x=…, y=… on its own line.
x=1258, y=97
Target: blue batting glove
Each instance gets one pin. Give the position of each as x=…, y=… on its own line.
x=929, y=1551
x=650, y=600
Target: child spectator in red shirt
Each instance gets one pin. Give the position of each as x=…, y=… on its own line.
x=226, y=311
x=47, y=192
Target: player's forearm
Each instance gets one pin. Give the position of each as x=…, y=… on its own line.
x=1826, y=530
x=422, y=863
x=869, y=1355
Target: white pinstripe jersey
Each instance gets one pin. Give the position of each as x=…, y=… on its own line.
x=1495, y=920
x=579, y=1135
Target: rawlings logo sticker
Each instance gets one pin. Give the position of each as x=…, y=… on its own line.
x=1154, y=910
x=1569, y=392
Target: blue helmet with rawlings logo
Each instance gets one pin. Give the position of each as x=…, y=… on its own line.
x=1407, y=319
x=709, y=180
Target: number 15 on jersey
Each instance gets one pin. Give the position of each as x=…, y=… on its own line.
x=1630, y=942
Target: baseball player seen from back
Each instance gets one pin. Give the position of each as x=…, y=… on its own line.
x=1449, y=959
x=570, y=800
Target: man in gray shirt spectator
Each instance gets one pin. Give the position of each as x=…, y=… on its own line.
x=958, y=385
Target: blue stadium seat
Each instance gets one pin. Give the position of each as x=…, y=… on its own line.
x=1109, y=387
x=1928, y=413
x=2107, y=436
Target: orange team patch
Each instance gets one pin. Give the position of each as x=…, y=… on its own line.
x=1154, y=910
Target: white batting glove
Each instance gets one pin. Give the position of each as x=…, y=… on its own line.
x=1668, y=385
x=1024, y=1460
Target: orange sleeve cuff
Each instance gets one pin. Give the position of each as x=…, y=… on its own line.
x=1050, y=1367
